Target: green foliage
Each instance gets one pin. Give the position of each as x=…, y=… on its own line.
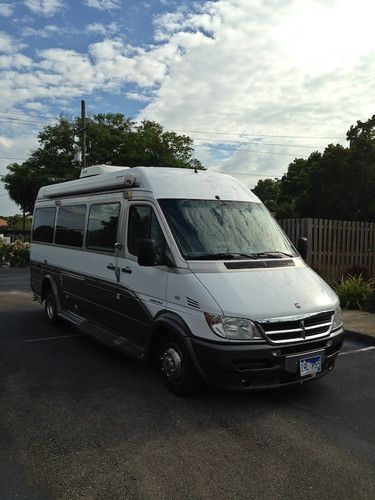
x=355, y=292
x=111, y=138
x=14, y=254
x=337, y=184
x=16, y=222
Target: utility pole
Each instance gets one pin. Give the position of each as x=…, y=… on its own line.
x=83, y=130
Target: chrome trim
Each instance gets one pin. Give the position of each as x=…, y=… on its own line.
x=305, y=332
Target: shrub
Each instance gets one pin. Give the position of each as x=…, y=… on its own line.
x=14, y=254
x=358, y=271
x=355, y=292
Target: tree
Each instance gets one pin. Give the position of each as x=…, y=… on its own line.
x=112, y=139
x=338, y=183
x=268, y=190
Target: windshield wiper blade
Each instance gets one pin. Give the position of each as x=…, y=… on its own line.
x=274, y=254
x=209, y=256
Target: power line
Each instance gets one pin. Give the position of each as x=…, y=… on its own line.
x=269, y=174
x=258, y=135
x=307, y=146
x=253, y=151
x=23, y=122
x=36, y=115
x=13, y=157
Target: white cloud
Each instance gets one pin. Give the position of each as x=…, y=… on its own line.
x=5, y=142
x=104, y=4
x=44, y=7
x=6, y=9
x=288, y=68
x=19, y=148
x=135, y=96
x=36, y=106
x=6, y=43
x=103, y=29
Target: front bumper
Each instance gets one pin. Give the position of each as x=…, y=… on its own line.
x=261, y=366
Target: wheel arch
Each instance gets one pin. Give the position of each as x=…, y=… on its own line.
x=49, y=282
x=167, y=321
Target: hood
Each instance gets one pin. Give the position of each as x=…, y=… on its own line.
x=269, y=293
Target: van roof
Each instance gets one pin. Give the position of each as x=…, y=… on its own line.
x=163, y=182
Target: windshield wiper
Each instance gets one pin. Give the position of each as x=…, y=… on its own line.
x=213, y=256
x=277, y=254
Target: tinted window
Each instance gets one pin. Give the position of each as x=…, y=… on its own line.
x=102, y=227
x=44, y=223
x=144, y=224
x=70, y=225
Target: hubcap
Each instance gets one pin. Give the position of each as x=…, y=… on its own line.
x=171, y=361
x=50, y=308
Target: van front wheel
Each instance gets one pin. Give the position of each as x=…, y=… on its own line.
x=177, y=369
x=50, y=307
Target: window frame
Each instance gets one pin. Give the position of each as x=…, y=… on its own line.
x=153, y=207
x=62, y=206
x=118, y=232
x=53, y=227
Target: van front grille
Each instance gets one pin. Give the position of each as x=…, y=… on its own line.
x=310, y=327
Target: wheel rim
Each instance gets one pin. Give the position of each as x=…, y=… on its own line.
x=171, y=362
x=50, y=307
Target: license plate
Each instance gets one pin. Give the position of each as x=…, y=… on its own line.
x=310, y=366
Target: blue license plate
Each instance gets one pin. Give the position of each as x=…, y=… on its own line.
x=310, y=366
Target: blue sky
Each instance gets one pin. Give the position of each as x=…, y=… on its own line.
x=255, y=83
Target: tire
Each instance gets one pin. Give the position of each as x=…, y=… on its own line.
x=176, y=367
x=50, y=307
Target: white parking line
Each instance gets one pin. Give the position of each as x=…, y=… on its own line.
x=355, y=351
x=40, y=339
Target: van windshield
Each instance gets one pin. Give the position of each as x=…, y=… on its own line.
x=218, y=229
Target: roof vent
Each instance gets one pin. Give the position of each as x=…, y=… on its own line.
x=99, y=170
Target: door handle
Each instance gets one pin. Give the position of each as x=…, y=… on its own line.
x=111, y=267
x=126, y=270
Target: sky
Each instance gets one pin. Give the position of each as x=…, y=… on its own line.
x=256, y=83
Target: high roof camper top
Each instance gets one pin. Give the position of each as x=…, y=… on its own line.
x=162, y=182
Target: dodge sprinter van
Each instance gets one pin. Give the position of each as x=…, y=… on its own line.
x=186, y=268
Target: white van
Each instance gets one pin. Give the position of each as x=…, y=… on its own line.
x=185, y=267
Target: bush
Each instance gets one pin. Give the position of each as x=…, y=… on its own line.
x=358, y=271
x=16, y=254
x=355, y=292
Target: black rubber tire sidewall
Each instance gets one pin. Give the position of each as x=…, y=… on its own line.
x=51, y=297
x=190, y=381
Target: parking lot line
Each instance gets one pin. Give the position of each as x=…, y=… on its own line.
x=40, y=339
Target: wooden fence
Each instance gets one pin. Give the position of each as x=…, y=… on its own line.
x=334, y=246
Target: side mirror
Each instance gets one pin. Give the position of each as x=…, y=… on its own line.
x=146, y=252
x=302, y=247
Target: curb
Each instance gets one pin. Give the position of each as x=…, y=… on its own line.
x=362, y=338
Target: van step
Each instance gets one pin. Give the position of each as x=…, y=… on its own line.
x=71, y=317
x=112, y=340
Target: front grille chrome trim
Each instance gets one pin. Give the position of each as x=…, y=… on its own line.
x=303, y=329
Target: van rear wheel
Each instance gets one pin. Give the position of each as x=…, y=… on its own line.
x=176, y=367
x=50, y=307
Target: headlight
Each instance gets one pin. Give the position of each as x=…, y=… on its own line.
x=233, y=328
x=337, y=318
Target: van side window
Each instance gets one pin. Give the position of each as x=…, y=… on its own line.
x=102, y=227
x=144, y=224
x=44, y=224
x=70, y=225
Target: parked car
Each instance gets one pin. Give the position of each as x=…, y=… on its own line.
x=185, y=267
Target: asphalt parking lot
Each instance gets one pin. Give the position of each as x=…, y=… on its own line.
x=80, y=421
